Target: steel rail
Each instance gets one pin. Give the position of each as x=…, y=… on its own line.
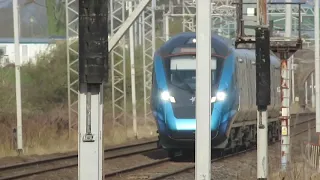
x=116, y=152
x=187, y=168
x=227, y=156
x=120, y=151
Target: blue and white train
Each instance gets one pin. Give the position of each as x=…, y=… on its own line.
x=234, y=112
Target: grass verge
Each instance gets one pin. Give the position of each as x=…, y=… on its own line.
x=48, y=133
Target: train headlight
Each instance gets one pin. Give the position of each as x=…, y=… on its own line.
x=220, y=96
x=165, y=95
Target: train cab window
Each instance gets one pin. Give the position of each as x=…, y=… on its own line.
x=183, y=71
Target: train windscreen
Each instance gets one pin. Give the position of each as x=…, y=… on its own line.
x=183, y=71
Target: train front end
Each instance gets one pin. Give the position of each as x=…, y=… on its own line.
x=174, y=100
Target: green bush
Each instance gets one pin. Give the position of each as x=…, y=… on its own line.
x=44, y=104
x=44, y=84
x=44, y=93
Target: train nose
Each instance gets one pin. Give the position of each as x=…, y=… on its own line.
x=183, y=118
x=183, y=124
x=189, y=124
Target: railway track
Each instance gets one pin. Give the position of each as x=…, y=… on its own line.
x=26, y=169
x=23, y=170
x=168, y=168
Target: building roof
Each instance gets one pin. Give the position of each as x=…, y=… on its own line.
x=31, y=40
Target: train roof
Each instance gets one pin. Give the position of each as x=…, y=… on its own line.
x=219, y=44
x=250, y=54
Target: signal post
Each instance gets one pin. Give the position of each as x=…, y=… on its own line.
x=284, y=48
x=261, y=43
x=262, y=98
x=285, y=110
x=93, y=58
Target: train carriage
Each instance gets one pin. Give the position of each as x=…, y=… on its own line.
x=233, y=110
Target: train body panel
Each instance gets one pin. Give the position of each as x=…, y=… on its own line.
x=233, y=90
x=246, y=85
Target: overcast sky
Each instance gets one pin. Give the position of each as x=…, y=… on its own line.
x=31, y=10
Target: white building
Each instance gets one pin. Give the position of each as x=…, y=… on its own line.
x=29, y=48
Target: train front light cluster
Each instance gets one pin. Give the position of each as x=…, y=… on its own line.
x=220, y=96
x=165, y=96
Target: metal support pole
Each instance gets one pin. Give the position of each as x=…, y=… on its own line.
x=17, y=71
x=312, y=91
x=285, y=112
x=285, y=89
x=140, y=30
x=93, y=62
x=288, y=32
x=183, y=16
x=164, y=26
x=167, y=30
x=289, y=76
x=263, y=75
x=118, y=63
x=288, y=19
x=262, y=17
x=262, y=145
x=149, y=48
x=133, y=77
x=203, y=91
x=119, y=32
x=90, y=132
x=289, y=102
x=136, y=28
x=306, y=92
x=68, y=70
x=317, y=64
x=292, y=79
x=72, y=23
